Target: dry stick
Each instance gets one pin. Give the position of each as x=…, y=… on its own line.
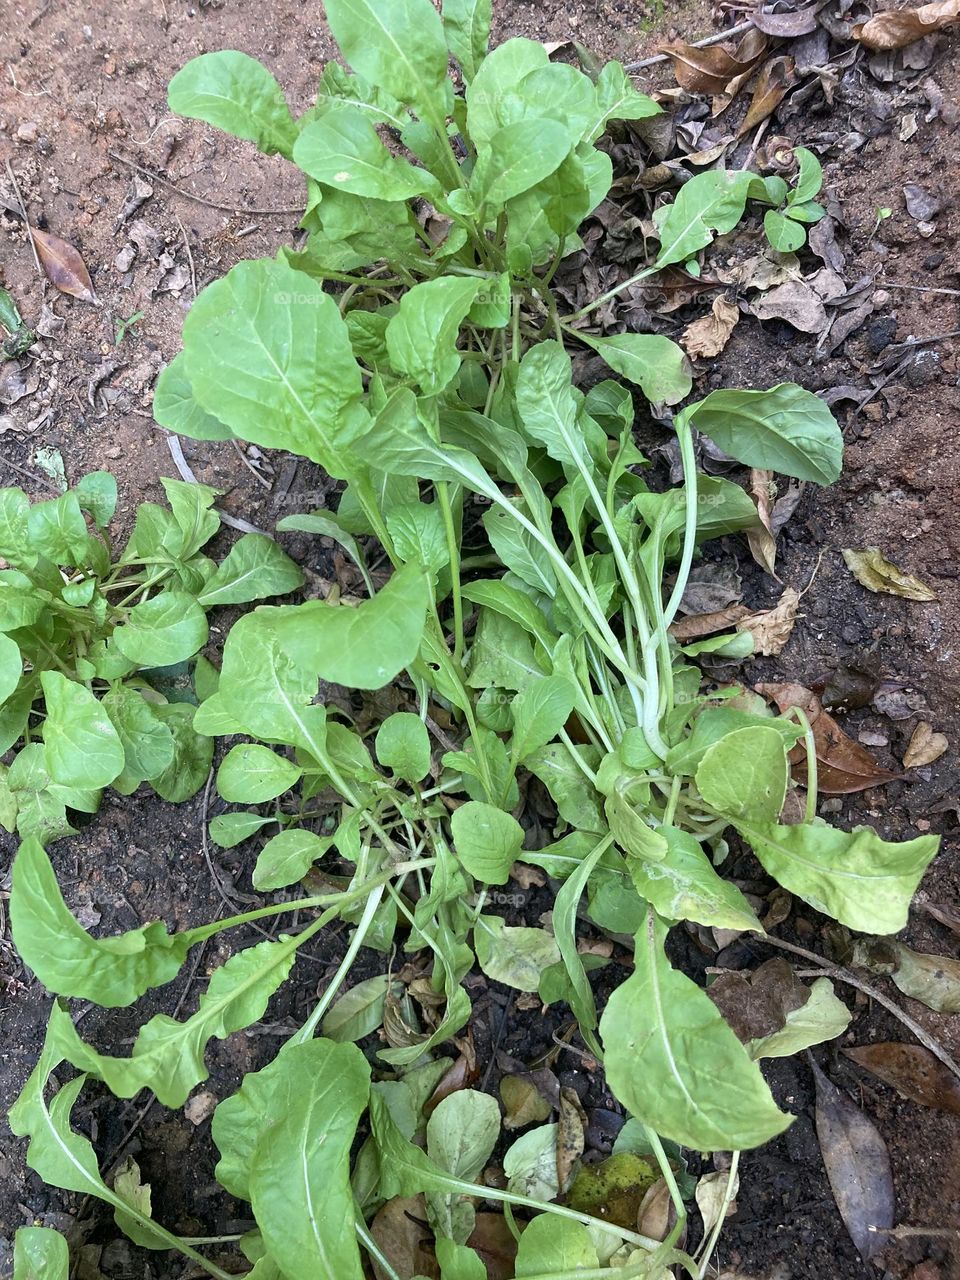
x=186, y=245
x=717, y=38
x=188, y=195
x=26, y=221
x=30, y=475
x=882, y=283
x=844, y=975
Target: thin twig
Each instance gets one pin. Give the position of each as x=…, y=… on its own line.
x=188, y=195
x=30, y=475
x=757, y=139
x=883, y=283
x=26, y=221
x=844, y=975
x=717, y=38
x=249, y=465
x=186, y=245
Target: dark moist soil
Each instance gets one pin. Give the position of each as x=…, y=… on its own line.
x=82, y=81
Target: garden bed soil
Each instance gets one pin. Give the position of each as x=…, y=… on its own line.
x=82, y=83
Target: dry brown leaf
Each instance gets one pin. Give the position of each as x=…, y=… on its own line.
x=756, y=1004
x=789, y=25
x=712, y=69
x=900, y=27
x=761, y=541
x=523, y=1102
x=949, y=917
x=571, y=1138
x=843, y=766
x=878, y=574
x=857, y=1163
x=925, y=746
x=400, y=1229
x=797, y=303
x=932, y=979
x=708, y=336
x=913, y=1071
x=707, y=624
x=64, y=267
x=656, y=1214
x=775, y=81
x=772, y=628
x=496, y=1244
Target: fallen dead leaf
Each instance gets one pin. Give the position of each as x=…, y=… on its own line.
x=711, y=587
x=496, y=1244
x=775, y=81
x=772, y=628
x=706, y=337
x=707, y=624
x=710, y=1195
x=711, y=70
x=949, y=917
x=756, y=1004
x=900, y=27
x=571, y=1138
x=925, y=746
x=64, y=267
x=789, y=25
x=797, y=303
x=878, y=574
x=843, y=766
x=400, y=1229
x=857, y=1164
x=656, y=1214
x=913, y=1071
x=761, y=540
x=523, y=1102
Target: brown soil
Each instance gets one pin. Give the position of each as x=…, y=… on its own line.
x=81, y=81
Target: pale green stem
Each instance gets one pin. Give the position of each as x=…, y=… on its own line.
x=711, y=1244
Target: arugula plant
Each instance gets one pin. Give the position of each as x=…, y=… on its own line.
x=415, y=350
x=798, y=208
x=91, y=643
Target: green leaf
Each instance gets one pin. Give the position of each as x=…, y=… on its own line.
x=341, y=149
x=784, y=234
x=422, y=336
x=519, y=551
x=251, y=773
x=711, y=201
x=56, y=529
x=21, y=604
x=810, y=211
x=551, y=1245
x=367, y=646
x=564, y=922
x=300, y=1170
x=190, y=504
x=39, y=1253
x=418, y=535
x=502, y=598
x=111, y=972
x=745, y=774
x=466, y=25
x=516, y=158
x=230, y=829
x=675, y=1064
x=493, y=93
x=148, y=746
x=399, y=46
x=516, y=956
x=268, y=353
x=83, y=748
x=573, y=795
x=461, y=1135
x=853, y=876
x=684, y=886
x=714, y=723
x=287, y=858
x=193, y=753
x=657, y=366
x=785, y=429
x=540, y=711
x=236, y=93
x=823, y=1017
x=358, y=1012
x=487, y=841
x=14, y=508
x=809, y=178
x=176, y=408
x=254, y=569
x=547, y=404
x=457, y=1262
x=266, y=689
x=168, y=1056
x=11, y=666
x=403, y=745
x=618, y=99
x=97, y=493
x=162, y=631
x=632, y=833
x=530, y=1163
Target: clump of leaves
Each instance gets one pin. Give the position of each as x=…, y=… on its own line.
x=784, y=226
x=92, y=643
x=534, y=579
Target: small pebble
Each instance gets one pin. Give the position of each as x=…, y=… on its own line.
x=28, y=131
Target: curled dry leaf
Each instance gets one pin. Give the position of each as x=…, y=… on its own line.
x=707, y=624
x=857, y=1164
x=796, y=302
x=712, y=69
x=523, y=1102
x=913, y=1071
x=570, y=1137
x=772, y=628
x=900, y=27
x=761, y=539
x=878, y=574
x=775, y=81
x=706, y=337
x=949, y=917
x=64, y=267
x=843, y=766
x=925, y=746
x=757, y=1004
x=710, y=1194
x=789, y=25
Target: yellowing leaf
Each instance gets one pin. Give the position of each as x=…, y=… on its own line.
x=875, y=572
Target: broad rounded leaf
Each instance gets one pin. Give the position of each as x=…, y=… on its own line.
x=40, y=1253
x=785, y=429
x=164, y=630
x=358, y=1012
x=255, y=568
x=82, y=747
x=745, y=774
x=175, y=406
x=517, y=157
x=657, y=366
x=403, y=745
x=515, y=956
x=550, y=1244
x=238, y=94
x=287, y=858
x=487, y=840
x=422, y=336
x=684, y=886
x=251, y=774
x=341, y=149
x=11, y=666
x=675, y=1064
